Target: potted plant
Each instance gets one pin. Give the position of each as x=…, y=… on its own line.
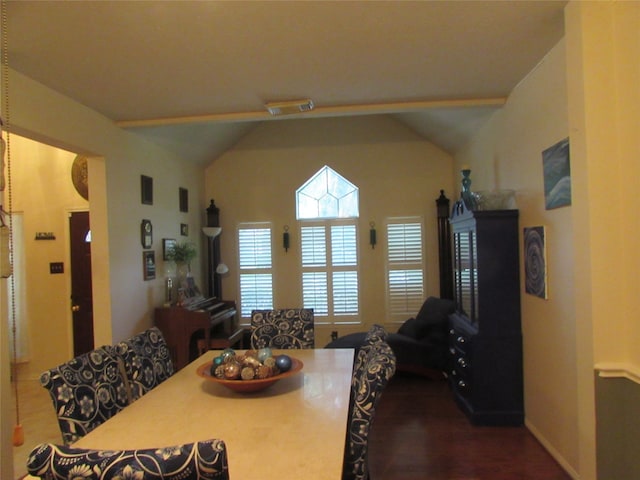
x=182, y=253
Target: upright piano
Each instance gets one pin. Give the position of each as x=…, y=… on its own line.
x=211, y=320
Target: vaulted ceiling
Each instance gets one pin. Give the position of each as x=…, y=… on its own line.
x=194, y=75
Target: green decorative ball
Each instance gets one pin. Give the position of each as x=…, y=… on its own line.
x=264, y=353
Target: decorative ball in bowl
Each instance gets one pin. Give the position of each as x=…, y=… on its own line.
x=252, y=371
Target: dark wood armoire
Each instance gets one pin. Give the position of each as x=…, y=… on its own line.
x=485, y=336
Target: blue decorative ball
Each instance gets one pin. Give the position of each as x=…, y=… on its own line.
x=283, y=362
x=227, y=355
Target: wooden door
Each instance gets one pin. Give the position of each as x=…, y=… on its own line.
x=81, y=291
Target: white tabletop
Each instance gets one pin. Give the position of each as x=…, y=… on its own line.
x=294, y=429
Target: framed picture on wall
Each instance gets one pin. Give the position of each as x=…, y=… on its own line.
x=149, y=265
x=184, y=229
x=183, y=199
x=556, y=167
x=167, y=245
x=146, y=190
x=535, y=261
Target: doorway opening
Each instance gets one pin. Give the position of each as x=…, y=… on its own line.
x=81, y=285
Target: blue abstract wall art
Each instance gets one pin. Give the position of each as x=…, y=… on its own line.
x=535, y=262
x=557, y=175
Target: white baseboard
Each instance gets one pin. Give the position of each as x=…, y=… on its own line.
x=552, y=451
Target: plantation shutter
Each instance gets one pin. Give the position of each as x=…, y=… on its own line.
x=405, y=268
x=256, y=276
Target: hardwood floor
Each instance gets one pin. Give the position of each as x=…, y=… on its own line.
x=419, y=433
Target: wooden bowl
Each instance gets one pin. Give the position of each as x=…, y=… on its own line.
x=248, y=386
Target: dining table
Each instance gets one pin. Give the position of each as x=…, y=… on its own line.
x=294, y=429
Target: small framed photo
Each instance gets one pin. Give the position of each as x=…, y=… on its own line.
x=184, y=229
x=167, y=244
x=183, y=197
x=149, y=265
x=146, y=190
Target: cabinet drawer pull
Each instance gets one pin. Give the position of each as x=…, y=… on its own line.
x=461, y=339
x=462, y=384
x=462, y=362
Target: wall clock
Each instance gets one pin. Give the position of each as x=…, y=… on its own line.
x=80, y=176
x=146, y=233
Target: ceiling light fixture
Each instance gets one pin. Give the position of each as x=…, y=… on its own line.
x=289, y=107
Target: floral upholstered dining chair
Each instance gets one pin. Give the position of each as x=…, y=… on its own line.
x=86, y=391
x=206, y=460
x=379, y=366
x=147, y=361
x=284, y=328
x=375, y=334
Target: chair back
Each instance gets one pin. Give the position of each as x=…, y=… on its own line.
x=205, y=460
x=378, y=368
x=284, y=328
x=86, y=391
x=375, y=334
x=147, y=361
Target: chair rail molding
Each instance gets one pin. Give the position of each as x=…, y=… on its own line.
x=618, y=370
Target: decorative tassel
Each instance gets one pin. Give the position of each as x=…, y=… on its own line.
x=18, y=436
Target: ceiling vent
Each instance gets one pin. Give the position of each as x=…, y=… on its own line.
x=289, y=107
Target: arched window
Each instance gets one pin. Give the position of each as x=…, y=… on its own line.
x=327, y=195
x=327, y=207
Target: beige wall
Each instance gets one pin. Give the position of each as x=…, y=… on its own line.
x=397, y=172
x=586, y=88
x=123, y=301
x=591, y=313
x=603, y=41
x=118, y=158
x=627, y=60
x=605, y=74
x=507, y=153
x=44, y=194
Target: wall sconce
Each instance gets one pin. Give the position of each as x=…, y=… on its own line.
x=372, y=234
x=285, y=238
